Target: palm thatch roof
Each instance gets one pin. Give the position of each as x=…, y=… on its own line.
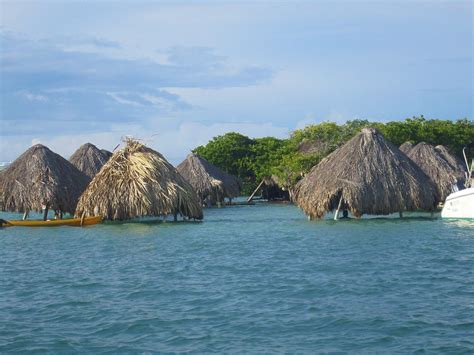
x=406, y=147
x=138, y=181
x=40, y=177
x=367, y=175
x=89, y=159
x=106, y=153
x=452, y=160
x=207, y=179
x=436, y=167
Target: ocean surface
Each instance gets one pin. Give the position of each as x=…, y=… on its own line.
x=248, y=279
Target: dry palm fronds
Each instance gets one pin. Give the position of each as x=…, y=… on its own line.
x=89, y=159
x=40, y=177
x=367, y=175
x=436, y=167
x=138, y=181
x=208, y=180
x=452, y=160
x=406, y=147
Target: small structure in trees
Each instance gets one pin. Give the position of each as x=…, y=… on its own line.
x=210, y=183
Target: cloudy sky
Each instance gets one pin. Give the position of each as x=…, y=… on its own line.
x=175, y=74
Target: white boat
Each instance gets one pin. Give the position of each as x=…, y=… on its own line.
x=460, y=204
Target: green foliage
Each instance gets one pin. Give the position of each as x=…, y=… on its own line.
x=289, y=159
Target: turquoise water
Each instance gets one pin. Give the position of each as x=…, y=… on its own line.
x=248, y=279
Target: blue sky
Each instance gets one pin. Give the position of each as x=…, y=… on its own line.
x=175, y=74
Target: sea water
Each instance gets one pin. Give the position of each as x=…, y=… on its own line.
x=247, y=279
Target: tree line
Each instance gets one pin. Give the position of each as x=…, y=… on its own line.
x=287, y=160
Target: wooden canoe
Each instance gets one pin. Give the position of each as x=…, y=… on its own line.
x=75, y=222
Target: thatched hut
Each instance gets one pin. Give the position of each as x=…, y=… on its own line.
x=41, y=180
x=271, y=190
x=367, y=175
x=138, y=181
x=89, y=159
x=210, y=183
x=437, y=168
x=452, y=160
x=406, y=147
x=106, y=153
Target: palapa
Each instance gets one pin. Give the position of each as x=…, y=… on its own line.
x=367, y=175
x=89, y=159
x=208, y=180
x=138, y=181
x=406, y=147
x=41, y=179
x=437, y=168
x=452, y=160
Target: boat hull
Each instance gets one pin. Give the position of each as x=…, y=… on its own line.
x=459, y=204
x=75, y=222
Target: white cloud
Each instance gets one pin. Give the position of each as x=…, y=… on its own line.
x=33, y=97
x=121, y=100
x=174, y=141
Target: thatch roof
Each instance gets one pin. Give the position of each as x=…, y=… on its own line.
x=106, y=153
x=436, y=167
x=406, y=147
x=41, y=177
x=452, y=160
x=138, y=181
x=371, y=175
x=89, y=159
x=207, y=179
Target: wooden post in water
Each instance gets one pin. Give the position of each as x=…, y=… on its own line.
x=255, y=191
x=336, y=216
x=219, y=203
x=45, y=215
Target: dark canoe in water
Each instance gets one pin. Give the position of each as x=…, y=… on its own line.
x=75, y=222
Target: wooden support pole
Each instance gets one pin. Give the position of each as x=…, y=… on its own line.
x=219, y=203
x=336, y=216
x=45, y=215
x=255, y=191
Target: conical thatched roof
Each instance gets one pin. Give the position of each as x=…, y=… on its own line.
x=436, y=167
x=106, y=153
x=138, y=181
x=41, y=177
x=452, y=160
x=207, y=179
x=89, y=159
x=373, y=177
x=406, y=147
